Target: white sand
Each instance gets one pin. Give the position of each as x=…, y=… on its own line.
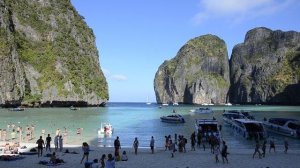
x=238, y=158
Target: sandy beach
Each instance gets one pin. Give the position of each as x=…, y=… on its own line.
x=238, y=158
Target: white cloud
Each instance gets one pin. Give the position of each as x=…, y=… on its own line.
x=238, y=10
x=119, y=77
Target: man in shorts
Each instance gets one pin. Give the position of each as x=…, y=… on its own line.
x=41, y=145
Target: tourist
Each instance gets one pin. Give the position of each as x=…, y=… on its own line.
x=286, y=145
x=135, y=145
x=86, y=151
x=13, y=135
x=41, y=144
x=124, y=156
x=224, y=152
x=264, y=146
x=102, y=161
x=48, y=140
x=272, y=145
x=193, y=141
x=60, y=142
x=172, y=148
x=57, y=132
x=217, y=152
x=56, y=142
x=53, y=158
x=110, y=163
x=95, y=164
x=257, y=146
x=117, y=146
x=152, y=144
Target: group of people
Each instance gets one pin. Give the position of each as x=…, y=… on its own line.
x=261, y=149
x=14, y=132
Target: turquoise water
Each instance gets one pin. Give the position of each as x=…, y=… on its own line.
x=140, y=120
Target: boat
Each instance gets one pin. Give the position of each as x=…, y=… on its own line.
x=73, y=108
x=174, y=118
x=17, y=109
x=106, y=128
x=249, y=129
x=207, y=127
x=202, y=110
x=228, y=104
x=284, y=126
x=165, y=104
x=148, y=102
x=175, y=104
x=229, y=116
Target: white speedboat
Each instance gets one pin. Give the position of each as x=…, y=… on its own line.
x=229, y=116
x=202, y=110
x=207, y=127
x=284, y=126
x=106, y=128
x=17, y=109
x=174, y=118
x=249, y=129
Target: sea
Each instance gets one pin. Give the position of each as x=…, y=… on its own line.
x=140, y=120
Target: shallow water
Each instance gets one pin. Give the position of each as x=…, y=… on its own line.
x=140, y=120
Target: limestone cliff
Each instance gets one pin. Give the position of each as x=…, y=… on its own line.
x=198, y=74
x=265, y=69
x=48, y=56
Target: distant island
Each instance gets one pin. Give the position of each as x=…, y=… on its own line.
x=265, y=69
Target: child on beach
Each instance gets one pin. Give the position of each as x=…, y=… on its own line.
x=217, y=152
x=272, y=145
x=124, y=156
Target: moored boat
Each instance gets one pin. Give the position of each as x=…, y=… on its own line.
x=229, y=116
x=202, y=110
x=284, y=126
x=174, y=118
x=207, y=127
x=17, y=109
x=249, y=129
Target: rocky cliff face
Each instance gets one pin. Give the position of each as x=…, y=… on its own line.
x=266, y=68
x=48, y=55
x=198, y=74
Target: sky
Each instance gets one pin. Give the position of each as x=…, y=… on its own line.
x=134, y=37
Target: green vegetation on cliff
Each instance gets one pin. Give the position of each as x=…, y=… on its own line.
x=54, y=39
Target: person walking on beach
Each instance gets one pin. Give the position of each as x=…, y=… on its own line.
x=224, y=152
x=48, y=141
x=56, y=142
x=41, y=145
x=272, y=145
x=117, y=146
x=286, y=145
x=60, y=142
x=135, y=145
x=217, y=152
x=86, y=152
x=152, y=144
x=264, y=146
x=257, y=146
x=193, y=141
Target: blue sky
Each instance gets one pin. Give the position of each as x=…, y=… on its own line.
x=134, y=37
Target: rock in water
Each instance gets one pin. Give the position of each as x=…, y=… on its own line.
x=48, y=56
x=265, y=69
x=198, y=74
